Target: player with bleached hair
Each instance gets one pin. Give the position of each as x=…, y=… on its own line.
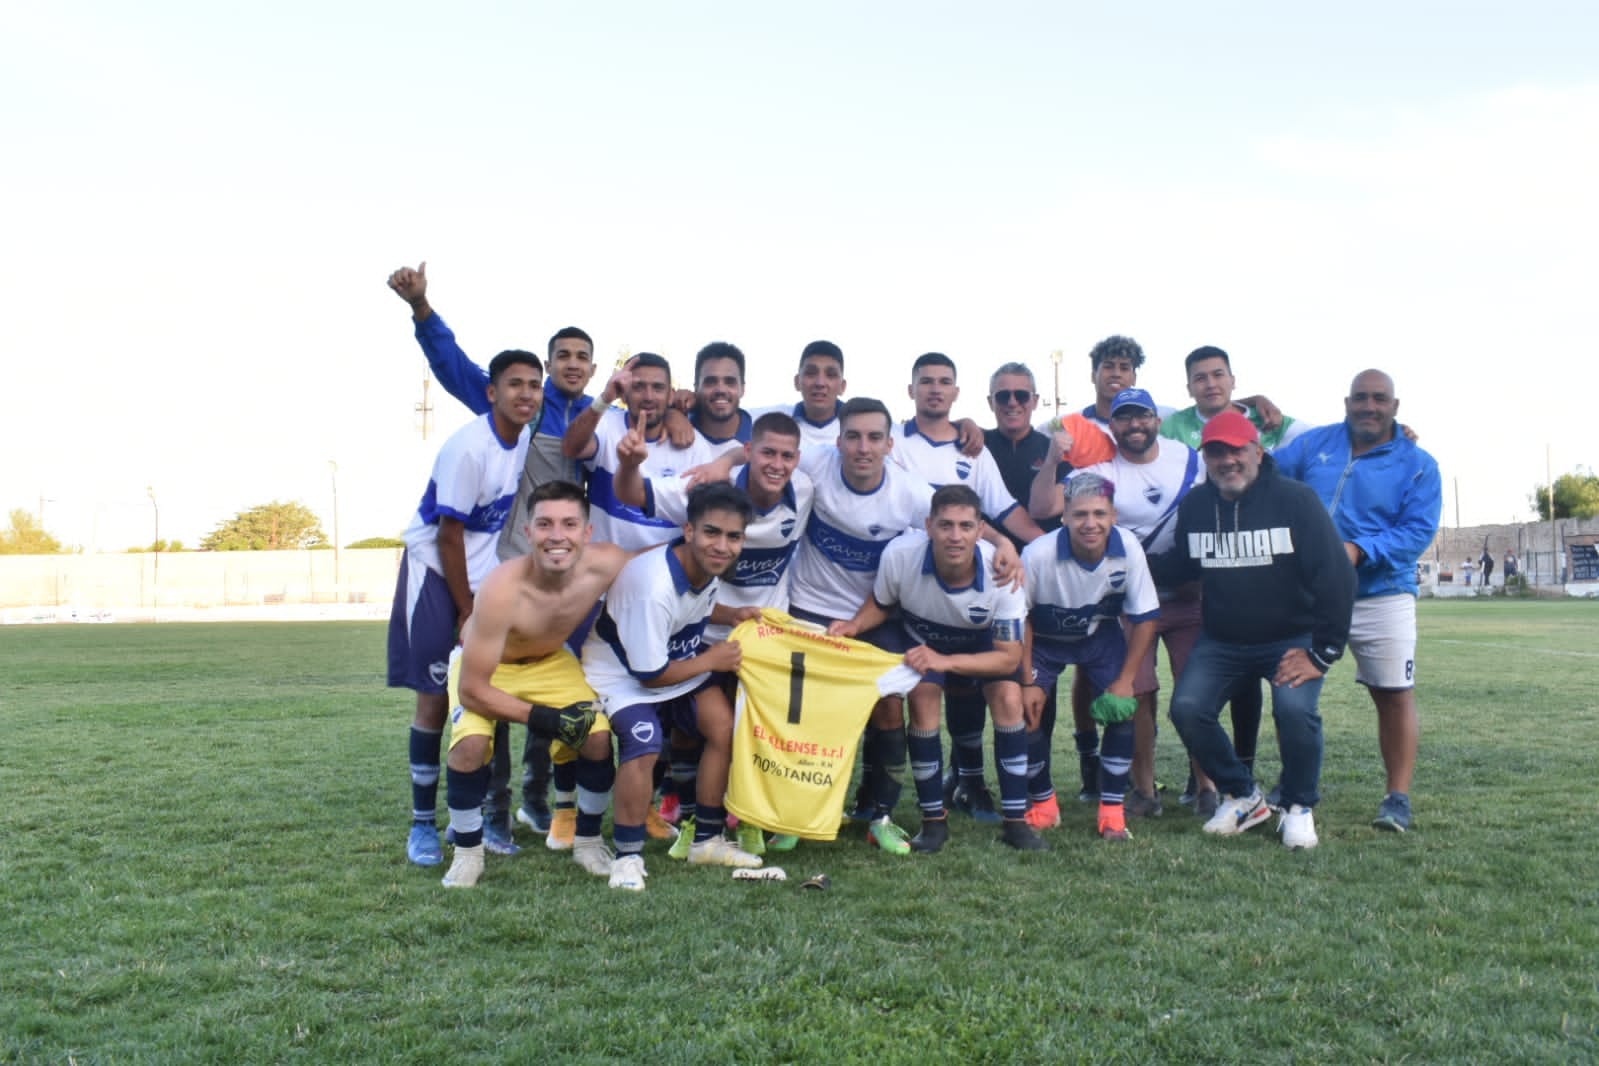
x=1083, y=579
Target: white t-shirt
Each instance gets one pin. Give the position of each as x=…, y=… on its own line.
x=1068, y=599
x=951, y=621
x=833, y=569
x=651, y=618
x=614, y=521
x=474, y=480
x=760, y=578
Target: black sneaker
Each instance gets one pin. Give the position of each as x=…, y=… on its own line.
x=535, y=814
x=980, y=803
x=934, y=835
x=1021, y=836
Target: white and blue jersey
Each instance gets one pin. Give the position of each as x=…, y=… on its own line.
x=951, y=621
x=844, y=540
x=1069, y=599
x=941, y=463
x=651, y=618
x=614, y=521
x=719, y=445
x=812, y=434
x=760, y=578
x=1147, y=494
x=474, y=481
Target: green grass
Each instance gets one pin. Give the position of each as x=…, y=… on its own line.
x=203, y=862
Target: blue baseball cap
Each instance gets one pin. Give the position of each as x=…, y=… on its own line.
x=1133, y=398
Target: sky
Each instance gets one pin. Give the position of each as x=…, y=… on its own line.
x=201, y=204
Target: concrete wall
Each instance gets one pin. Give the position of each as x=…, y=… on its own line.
x=120, y=583
x=1536, y=544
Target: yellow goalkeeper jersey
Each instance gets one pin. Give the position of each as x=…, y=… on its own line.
x=803, y=699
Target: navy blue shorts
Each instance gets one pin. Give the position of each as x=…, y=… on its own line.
x=421, y=629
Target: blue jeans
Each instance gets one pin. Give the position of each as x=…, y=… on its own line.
x=1213, y=669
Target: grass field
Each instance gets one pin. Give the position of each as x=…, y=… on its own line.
x=203, y=862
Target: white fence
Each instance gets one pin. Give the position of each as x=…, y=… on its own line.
x=158, y=584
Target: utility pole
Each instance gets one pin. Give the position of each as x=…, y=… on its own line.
x=424, y=408
x=334, y=467
x=149, y=490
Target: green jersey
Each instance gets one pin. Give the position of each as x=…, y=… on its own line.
x=1187, y=426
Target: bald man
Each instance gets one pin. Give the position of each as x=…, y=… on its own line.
x=1385, y=496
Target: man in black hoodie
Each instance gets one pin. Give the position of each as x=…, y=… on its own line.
x=1278, y=592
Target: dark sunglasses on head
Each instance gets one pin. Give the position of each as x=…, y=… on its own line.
x=1005, y=397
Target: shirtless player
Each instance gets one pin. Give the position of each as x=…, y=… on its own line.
x=515, y=666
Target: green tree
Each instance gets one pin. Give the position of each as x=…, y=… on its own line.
x=27, y=537
x=378, y=542
x=267, y=527
x=1576, y=496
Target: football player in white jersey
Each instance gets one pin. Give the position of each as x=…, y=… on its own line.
x=1082, y=581
x=449, y=550
x=647, y=660
x=862, y=503
x=1152, y=475
x=929, y=446
x=782, y=498
x=965, y=631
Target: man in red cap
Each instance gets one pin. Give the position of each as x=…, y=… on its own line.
x=1278, y=592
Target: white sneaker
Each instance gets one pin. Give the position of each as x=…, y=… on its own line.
x=1298, y=827
x=592, y=854
x=719, y=851
x=628, y=872
x=466, y=869
x=1238, y=813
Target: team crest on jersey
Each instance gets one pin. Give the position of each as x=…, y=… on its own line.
x=785, y=529
x=963, y=468
x=643, y=731
x=1118, y=580
x=1153, y=493
x=439, y=672
x=978, y=613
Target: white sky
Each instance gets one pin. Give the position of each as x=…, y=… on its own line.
x=201, y=203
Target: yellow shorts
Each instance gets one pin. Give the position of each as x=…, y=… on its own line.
x=553, y=681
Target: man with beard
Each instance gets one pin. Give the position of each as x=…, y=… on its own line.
x=1278, y=591
x=646, y=384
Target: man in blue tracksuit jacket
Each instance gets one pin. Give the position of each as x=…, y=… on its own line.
x=1385, y=496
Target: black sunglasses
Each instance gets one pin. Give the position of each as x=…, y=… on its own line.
x=1004, y=397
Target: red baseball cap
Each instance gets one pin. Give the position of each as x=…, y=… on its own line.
x=1230, y=428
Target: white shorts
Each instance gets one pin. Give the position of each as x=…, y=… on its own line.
x=1382, y=638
